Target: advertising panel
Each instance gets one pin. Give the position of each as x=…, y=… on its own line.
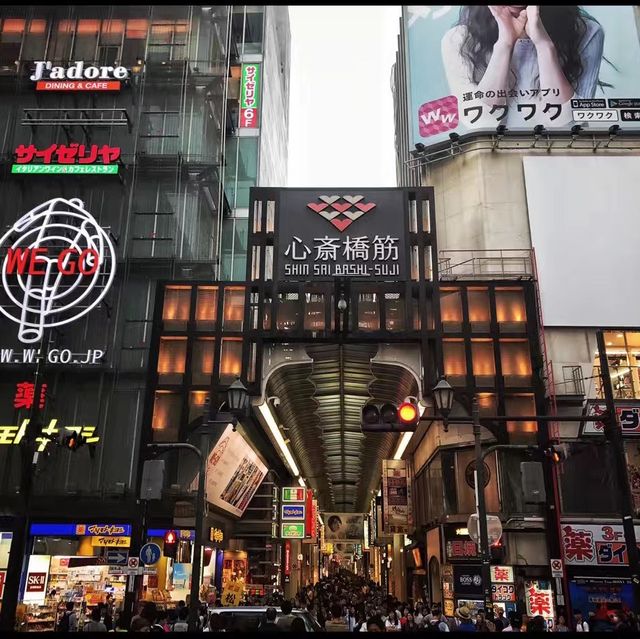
x=467, y=580
x=250, y=96
x=628, y=417
x=539, y=599
x=293, y=494
x=473, y=68
x=76, y=159
x=396, y=496
x=37, y=574
x=292, y=530
x=293, y=512
x=569, y=221
x=344, y=527
x=234, y=473
x=325, y=234
x=587, y=593
x=594, y=544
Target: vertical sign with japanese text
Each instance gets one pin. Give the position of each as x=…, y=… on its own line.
x=356, y=233
x=396, y=495
x=250, y=96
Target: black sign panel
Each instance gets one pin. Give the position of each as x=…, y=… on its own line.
x=467, y=580
x=624, y=103
x=354, y=233
x=594, y=103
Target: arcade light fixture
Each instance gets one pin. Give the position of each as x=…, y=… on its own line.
x=269, y=419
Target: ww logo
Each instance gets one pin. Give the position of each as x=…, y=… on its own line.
x=438, y=116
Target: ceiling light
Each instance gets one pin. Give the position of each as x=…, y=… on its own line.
x=301, y=482
x=277, y=436
x=402, y=445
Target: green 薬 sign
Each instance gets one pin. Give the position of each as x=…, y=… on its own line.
x=69, y=169
x=292, y=531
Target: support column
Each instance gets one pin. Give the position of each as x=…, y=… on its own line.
x=398, y=570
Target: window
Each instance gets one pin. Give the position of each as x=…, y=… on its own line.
x=487, y=404
x=314, y=312
x=521, y=405
x=171, y=359
x=197, y=403
x=206, y=307
x=451, y=309
x=233, y=312
x=241, y=170
x=394, y=311
x=516, y=362
x=510, y=309
x=166, y=416
x=11, y=32
x=623, y=355
x=202, y=360
x=177, y=302
x=484, y=368
x=230, y=359
x=479, y=311
x=368, y=312
x=455, y=366
x=288, y=311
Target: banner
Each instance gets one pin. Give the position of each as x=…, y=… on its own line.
x=234, y=473
x=475, y=67
x=250, y=96
x=594, y=545
x=344, y=527
x=396, y=496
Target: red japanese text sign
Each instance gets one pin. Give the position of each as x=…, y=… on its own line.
x=73, y=153
x=539, y=599
x=594, y=545
x=24, y=396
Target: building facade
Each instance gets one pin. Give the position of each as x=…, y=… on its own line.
x=156, y=121
x=492, y=222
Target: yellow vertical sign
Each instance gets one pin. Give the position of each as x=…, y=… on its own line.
x=232, y=593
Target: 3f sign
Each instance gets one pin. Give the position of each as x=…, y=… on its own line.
x=58, y=265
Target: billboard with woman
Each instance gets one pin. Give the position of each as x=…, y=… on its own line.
x=478, y=67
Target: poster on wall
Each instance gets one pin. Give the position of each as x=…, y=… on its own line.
x=234, y=473
x=396, y=496
x=37, y=575
x=343, y=527
x=476, y=67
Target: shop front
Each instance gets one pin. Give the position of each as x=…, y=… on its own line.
x=596, y=560
x=6, y=538
x=72, y=562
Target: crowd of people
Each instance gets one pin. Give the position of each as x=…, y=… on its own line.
x=345, y=602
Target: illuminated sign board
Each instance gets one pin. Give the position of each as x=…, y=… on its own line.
x=292, y=531
x=293, y=494
x=77, y=77
x=81, y=530
x=57, y=264
x=72, y=159
x=293, y=511
x=12, y=435
x=250, y=96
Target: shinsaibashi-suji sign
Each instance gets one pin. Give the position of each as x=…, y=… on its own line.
x=77, y=77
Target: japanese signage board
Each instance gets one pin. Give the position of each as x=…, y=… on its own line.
x=295, y=512
x=343, y=527
x=292, y=530
x=326, y=234
x=250, y=96
x=58, y=264
x=311, y=517
x=77, y=77
x=588, y=593
x=594, y=544
x=593, y=82
x=628, y=418
x=503, y=592
x=111, y=542
x=287, y=558
x=234, y=473
x=293, y=494
x=61, y=158
x=216, y=535
x=458, y=546
x=232, y=593
x=396, y=496
x=539, y=599
x=3, y=577
x=502, y=574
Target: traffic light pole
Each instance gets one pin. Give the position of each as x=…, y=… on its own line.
x=197, y=546
x=614, y=435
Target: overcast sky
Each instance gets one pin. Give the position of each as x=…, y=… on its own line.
x=341, y=109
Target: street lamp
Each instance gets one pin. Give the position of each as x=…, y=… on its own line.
x=443, y=400
x=238, y=398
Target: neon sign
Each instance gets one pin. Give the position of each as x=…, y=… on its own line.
x=58, y=265
x=72, y=159
x=250, y=96
x=77, y=77
x=12, y=435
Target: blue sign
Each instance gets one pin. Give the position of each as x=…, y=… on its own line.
x=150, y=554
x=81, y=530
x=292, y=512
x=117, y=557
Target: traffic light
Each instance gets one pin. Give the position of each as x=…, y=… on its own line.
x=73, y=441
x=170, y=544
x=389, y=417
x=498, y=552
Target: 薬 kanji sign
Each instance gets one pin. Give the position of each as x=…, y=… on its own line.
x=539, y=598
x=594, y=545
x=360, y=233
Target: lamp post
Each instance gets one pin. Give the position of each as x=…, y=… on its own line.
x=443, y=400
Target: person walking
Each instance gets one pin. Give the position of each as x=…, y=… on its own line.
x=94, y=624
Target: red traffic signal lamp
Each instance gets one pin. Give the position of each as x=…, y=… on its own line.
x=170, y=544
x=389, y=417
x=557, y=452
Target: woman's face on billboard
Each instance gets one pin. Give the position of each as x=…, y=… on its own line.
x=515, y=9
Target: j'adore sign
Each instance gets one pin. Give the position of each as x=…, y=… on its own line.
x=77, y=77
x=358, y=233
x=56, y=265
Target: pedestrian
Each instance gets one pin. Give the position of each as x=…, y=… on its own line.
x=580, y=624
x=537, y=624
x=515, y=623
x=297, y=625
x=375, y=624
x=392, y=624
x=410, y=625
x=69, y=620
x=269, y=623
x=337, y=622
x=182, y=625
x=560, y=625
x=95, y=625
x=466, y=623
x=483, y=623
x=500, y=621
x=284, y=623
